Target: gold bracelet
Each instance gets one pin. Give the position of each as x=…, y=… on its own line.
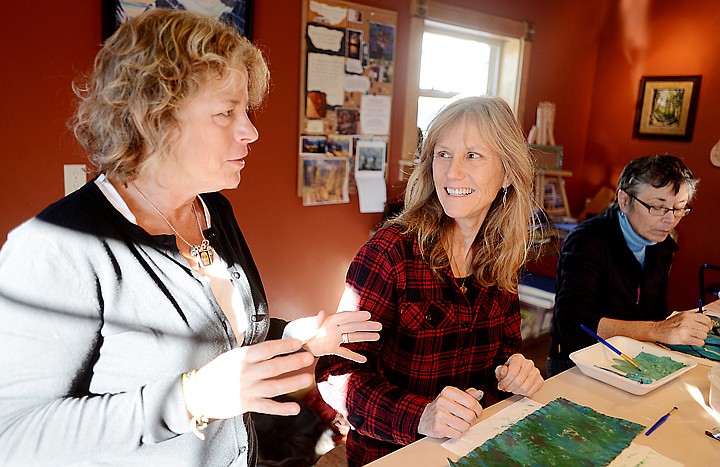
x=198, y=423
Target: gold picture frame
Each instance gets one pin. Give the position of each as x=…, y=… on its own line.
x=666, y=107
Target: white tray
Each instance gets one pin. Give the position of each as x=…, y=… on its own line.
x=598, y=354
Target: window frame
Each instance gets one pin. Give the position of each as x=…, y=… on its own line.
x=436, y=11
x=460, y=32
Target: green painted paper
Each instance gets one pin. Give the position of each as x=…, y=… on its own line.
x=711, y=349
x=651, y=367
x=561, y=433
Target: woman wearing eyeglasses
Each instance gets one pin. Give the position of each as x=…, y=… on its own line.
x=613, y=269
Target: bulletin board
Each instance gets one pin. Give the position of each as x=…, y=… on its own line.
x=346, y=86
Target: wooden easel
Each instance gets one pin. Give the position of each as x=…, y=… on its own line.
x=556, y=177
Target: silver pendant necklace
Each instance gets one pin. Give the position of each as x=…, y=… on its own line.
x=202, y=253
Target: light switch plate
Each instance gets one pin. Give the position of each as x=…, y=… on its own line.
x=74, y=176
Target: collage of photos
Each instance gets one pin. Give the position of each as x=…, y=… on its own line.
x=332, y=165
x=348, y=90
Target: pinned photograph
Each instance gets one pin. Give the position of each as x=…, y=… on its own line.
x=316, y=105
x=370, y=156
x=355, y=16
x=339, y=145
x=381, y=71
x=382, y=41
x=354, y=44
x=347, y=121
x=325, y=181
x=313, y=145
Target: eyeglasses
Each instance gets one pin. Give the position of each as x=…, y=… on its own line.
x=662, y=210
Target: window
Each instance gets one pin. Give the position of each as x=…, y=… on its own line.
x=456, y=52
x=454, y=62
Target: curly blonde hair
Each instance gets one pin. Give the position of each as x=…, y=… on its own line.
x=150, y=67
x=500, y=248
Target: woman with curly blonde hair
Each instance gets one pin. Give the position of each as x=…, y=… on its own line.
x=441, y=278
x=133, y=323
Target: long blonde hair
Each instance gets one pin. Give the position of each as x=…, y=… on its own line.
x=500, y=247
x=150, y=67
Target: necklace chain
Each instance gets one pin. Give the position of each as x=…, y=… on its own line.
x=202, y=252
x=463, y=288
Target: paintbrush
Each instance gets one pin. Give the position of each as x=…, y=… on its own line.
x=662, y=420
x=610, y=346
x=700, y=310
x=637, y=378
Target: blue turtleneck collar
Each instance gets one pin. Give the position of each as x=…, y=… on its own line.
x=634, y=241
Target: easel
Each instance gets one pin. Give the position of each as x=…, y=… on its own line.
x=548, y=163
x=557, y=178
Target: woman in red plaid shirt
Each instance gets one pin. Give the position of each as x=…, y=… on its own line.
x=442, y=279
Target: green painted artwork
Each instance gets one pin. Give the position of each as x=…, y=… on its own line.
x=652, y=367
x=561, y=433
x=711, y=349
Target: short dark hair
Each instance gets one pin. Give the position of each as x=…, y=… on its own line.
x=657, y=171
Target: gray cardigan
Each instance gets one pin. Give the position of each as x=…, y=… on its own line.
x=98, y=320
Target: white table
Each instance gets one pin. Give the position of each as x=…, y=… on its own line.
x=682, y=438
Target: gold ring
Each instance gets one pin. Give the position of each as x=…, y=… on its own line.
x=344, y=338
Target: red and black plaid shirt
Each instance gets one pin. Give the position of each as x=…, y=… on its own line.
x=433, y=336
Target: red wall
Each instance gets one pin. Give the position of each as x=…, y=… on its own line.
x=577, y=61
x=42, y=49
x=666, y=38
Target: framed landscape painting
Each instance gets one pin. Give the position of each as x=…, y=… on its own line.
x=666, y=107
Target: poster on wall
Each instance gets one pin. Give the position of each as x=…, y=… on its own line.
x=235, y=12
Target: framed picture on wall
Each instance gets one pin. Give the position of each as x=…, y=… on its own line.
x=236, y=12
x=666, y=107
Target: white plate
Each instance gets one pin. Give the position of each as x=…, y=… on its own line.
x=598, y=354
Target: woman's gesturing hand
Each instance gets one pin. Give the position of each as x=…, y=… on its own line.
x=245, y=379
x=342, y=328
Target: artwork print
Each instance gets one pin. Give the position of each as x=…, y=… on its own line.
x=370, y=157
x=666, y=107
x=235, y=12
x=313, y=145
x=325, y=181
x=339, y=145
x=354, y=44
x=382, y=41
x=561, y=433
x=347, y=121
